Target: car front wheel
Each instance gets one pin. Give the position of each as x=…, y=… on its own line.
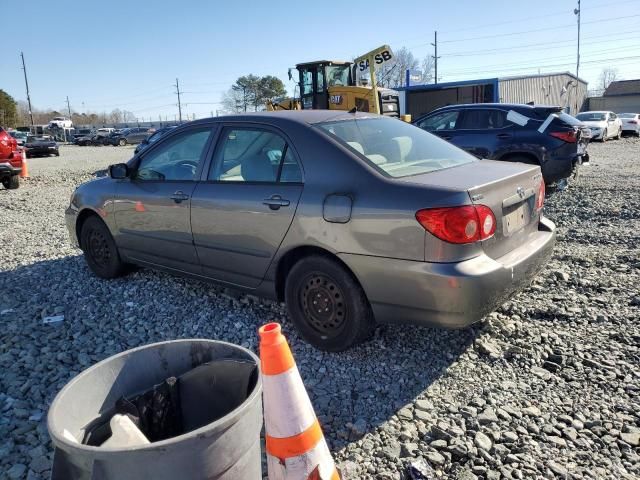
x=122, y=142
x=327, y=305
x=100, y=251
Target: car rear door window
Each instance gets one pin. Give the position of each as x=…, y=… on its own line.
x=254, y=155
x=478, y=119
x=440, y=121
x=176, y=159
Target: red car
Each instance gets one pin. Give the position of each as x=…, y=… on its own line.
x=10, y=161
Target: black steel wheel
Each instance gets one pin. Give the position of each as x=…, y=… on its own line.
x=100, y=251
x=327, y=304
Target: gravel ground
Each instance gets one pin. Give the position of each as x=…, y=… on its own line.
x=547, y=387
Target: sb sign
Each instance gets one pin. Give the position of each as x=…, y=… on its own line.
x=379, y=58
x=336, y=99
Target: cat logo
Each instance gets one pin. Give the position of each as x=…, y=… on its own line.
x=336, y=99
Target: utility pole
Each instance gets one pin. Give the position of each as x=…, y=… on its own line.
x=435, y=57
x=68, y=107
x=576, y=11
x=27, y=85
x=177, y=85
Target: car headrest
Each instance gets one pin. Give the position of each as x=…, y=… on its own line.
x=257, y=168
x=404, y=145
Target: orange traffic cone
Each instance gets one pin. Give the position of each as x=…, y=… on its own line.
x=296, y=448
x=24, y=173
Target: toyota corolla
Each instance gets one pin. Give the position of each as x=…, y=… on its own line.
x=353, y=219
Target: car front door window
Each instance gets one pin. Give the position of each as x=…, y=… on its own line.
x=441, y=121
x=175, y=160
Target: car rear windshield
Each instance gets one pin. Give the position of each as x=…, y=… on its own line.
x=565, y=117
x=591, y=117
x=627, y=115
x=394, y=147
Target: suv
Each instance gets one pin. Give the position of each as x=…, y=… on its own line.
x=10, y=161
x=130, y=135
x=541, y=135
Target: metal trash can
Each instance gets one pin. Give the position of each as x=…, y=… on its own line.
x=226, y=448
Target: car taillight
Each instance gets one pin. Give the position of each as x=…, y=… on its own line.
x=464, y=224
x=568, y=136
x=633, y=121
x=540, y=199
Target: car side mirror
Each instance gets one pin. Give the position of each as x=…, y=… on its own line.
x=118, y=171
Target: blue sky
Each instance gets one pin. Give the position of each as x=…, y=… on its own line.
x=127, y=55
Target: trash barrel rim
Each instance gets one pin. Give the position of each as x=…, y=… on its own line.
x=60, y=440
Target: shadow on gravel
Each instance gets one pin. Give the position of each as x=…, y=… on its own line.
x=352, y=392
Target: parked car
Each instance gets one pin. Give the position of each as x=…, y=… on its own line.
x=130, y=135
x=630, y=123
x=60, y=122
x=352, y=218
x=40, y=146
x=10, y=161
x=154, y=137
x=603, y=125
x=540, y=135
x=21, y=137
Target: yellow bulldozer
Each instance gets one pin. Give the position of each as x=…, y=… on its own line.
x=333, y=85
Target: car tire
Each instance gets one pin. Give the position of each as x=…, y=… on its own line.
x=27, y=155
x=99, y=248
x=604, y=136
x=619, y=134
x=122, y=142
x=343, y=317
x=11, y=183
x=57, y=154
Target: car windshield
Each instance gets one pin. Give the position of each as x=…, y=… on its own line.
x=627, y=115
x=394, y=147
x=565, y=117
x=591, y=116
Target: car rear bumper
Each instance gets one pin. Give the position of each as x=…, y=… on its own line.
x=452, y=295
x=8, y=170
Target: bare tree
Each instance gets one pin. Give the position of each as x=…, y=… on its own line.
x=128, y=116
x=428, y=67
x=115, y=116
x=607, y=76
x=232, y=101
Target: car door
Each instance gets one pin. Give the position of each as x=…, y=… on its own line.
x=485, y=133
x=614, y=125
x=152, y=206
x=244, y=207
x=442, y=124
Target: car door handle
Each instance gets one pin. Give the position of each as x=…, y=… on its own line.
x=275, y=202
x=179, y=196
x=503, y=135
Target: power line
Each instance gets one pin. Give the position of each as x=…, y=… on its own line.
x=508, y=34
x=528, y=19
x=467, y=53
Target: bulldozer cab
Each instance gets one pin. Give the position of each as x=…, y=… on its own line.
x=317, y=77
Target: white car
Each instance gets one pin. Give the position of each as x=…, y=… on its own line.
x=603, y=125
x=60, y=122
x=630, y=123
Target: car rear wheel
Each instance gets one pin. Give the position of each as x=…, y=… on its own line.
x=100, y=251
x=122, y=142
x=327, y=305
x=11, y=183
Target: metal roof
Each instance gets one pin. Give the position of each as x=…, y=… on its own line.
x=623, y=87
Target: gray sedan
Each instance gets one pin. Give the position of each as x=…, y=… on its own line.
x=353, y=219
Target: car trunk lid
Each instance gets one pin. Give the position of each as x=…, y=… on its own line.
x=509, y=189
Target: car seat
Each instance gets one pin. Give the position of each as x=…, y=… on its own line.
x=403, y=147
x=257, y=168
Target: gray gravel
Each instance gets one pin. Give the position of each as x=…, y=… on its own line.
x=547, y=387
